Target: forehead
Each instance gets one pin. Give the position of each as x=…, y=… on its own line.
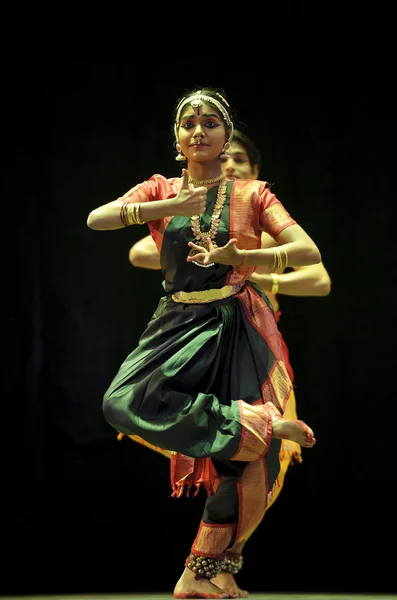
x=237, y=148
x=205, y=109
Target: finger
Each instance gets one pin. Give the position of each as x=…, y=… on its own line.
x=196, y=247
x=201, y=190
x=210, y=244
x=231, y=242
x=185, y=180
x=197, y=257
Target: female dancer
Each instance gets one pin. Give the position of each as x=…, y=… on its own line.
x=207, y=379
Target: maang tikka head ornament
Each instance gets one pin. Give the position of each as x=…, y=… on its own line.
x=196, y=101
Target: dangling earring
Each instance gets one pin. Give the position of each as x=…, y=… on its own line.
x=224, y=153
x=180, y=156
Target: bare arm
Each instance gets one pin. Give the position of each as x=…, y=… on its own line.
x=189, y=201
x=107, y=216
x=292, y=241
x=311, y=280
x=144, y=254
x=295, y=241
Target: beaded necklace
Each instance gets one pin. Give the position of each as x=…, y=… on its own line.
x=201, y=237
x=218, y=179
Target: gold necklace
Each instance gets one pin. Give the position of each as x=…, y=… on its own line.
x=218, y=179
x=201, y=237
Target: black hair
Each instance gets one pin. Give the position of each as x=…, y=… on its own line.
x=253, y=153
x=216, y=93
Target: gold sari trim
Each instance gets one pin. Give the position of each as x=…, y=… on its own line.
x=257, y=432
x=253, y=495
x=205, y=296
x=276, y=218
x=211, y=540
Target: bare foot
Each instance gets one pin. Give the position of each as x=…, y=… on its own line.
x=296, y=431
x=190, y=587
x=227, y=583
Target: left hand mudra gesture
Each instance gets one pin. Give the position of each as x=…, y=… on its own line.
x=225, y=255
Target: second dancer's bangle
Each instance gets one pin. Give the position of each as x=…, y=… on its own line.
x=275, y=280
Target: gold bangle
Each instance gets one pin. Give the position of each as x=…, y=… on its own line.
x=138, y=219
x=131, y=214
x=278, y=261
x=244, y=257
x=275, y=279
x=286, y=258
x=124, y=214
x=274, y=265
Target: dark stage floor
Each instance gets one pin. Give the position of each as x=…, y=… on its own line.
x=169, y=596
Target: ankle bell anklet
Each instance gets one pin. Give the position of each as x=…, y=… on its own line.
x=204, y=566
x=232, y=564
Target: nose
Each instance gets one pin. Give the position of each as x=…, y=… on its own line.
x=198, y=132
x=227, y=167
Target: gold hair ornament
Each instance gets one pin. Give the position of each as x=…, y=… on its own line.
x=197, y=100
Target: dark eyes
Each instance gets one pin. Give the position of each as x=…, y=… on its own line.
x=238, y=161
x=209, y=124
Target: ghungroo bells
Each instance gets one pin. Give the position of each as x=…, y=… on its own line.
x=232, y=564
x=204, y=566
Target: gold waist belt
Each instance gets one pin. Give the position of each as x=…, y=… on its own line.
x=207, y=295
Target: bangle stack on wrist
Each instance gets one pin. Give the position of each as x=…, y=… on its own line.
x=129, y=214
x=278, y=261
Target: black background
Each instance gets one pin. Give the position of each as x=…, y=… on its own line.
x=85, y=513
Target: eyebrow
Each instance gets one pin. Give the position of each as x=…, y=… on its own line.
x=193, y=116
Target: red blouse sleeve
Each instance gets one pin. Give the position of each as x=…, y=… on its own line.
x=157, y=187
x=273, y=216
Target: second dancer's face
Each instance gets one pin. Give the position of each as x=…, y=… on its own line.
x=202, y=134
x=236, y=163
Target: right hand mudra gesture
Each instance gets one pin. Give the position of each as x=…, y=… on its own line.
x=190, y=200
x=225, y=255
